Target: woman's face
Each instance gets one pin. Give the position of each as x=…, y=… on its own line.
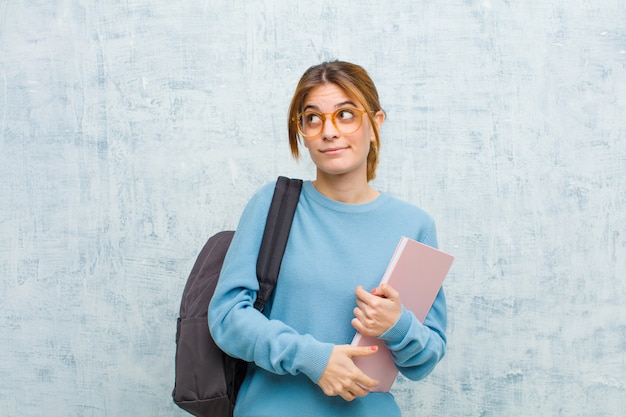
x=332, y=151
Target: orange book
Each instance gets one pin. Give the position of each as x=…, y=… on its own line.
x=417, y=272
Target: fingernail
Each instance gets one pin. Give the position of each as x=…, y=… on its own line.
x=374, y=348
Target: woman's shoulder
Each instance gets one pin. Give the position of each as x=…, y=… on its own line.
x=266, y=190
x=403, y=207
x=258, y=204
x=263, y=194
x=419, y=224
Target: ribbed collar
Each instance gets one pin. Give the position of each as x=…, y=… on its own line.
x=311, y=193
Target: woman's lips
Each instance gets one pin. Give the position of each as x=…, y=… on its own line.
x=331, y=151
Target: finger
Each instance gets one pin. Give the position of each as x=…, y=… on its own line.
x=363, y=324
x=362, y=350
x=348, y=396
x=367, y=383
x=360, y=314
x=363, y=379
x=361, y=295
x=361, y=304
x=386, y=291
x=359, y=390
x=358, y=326
x=368, y=301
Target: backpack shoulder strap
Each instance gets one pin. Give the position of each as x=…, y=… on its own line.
x=275, y=236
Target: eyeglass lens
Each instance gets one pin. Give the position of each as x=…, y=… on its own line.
x=345, y=120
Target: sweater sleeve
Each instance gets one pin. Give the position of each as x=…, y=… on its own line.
x=242, y=331
x=417, y=348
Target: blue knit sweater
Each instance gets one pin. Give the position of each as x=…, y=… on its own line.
x=333, y=247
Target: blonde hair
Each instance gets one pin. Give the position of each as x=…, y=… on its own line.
x=356, y=82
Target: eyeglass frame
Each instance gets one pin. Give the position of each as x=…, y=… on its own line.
x=323, y=117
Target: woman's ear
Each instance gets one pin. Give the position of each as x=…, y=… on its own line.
x=379, y=118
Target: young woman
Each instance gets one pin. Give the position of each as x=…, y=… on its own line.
x=343, y=235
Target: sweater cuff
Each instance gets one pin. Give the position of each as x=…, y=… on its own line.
x=396, y=333
x=314, y=359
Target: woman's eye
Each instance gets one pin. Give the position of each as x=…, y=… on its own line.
x=312, y=118
x=345, y=114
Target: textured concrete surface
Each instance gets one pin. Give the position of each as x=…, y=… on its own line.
x=131, y=131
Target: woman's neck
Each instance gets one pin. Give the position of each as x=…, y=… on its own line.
x=344, y=189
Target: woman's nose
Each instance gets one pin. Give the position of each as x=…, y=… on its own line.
x=329, y=131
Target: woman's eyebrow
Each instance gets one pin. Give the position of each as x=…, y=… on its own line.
x=345, y=103
x=311, y=106
x=338, y=105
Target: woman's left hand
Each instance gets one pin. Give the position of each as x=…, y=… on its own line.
x=377, y=311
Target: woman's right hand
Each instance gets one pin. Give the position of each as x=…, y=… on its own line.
x=342, y=377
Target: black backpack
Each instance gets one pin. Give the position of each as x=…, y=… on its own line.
x=208, y=380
